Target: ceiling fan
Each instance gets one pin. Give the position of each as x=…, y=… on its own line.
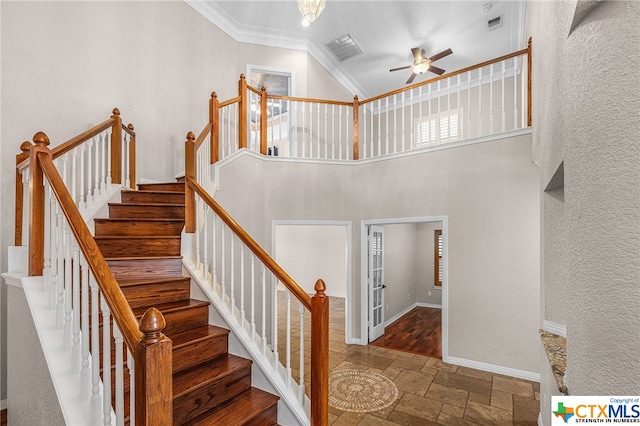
x=422, y=63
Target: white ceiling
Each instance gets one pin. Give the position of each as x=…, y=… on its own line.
x=385, y=30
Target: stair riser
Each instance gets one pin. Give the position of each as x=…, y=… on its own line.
x=138, y=227
x=152, y=197
x=268, y=417
x=138, y=211
x=185, y=319
x=147, y=268
x=156, y=293
x=173, y=186
x=196, y=353
x=207, y=397
x=139, y=247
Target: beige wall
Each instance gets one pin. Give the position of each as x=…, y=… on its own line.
x=585, y=104
x=488, y=191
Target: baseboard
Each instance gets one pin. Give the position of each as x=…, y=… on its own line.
x=3, y=404
x=428, y=305
x=497, y=369
x=555, y=328
x=540, y=423
x=354, y=341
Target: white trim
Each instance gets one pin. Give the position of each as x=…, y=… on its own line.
x=244, y=34
x=540, y=422
x=13, y=279
x=428, y=305
x=555, y=328
x=497, y=369
x=445, y=273
x=348, y=335
x=289, y=72
x=3, y=404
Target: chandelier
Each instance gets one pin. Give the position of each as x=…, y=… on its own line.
x=310, y=10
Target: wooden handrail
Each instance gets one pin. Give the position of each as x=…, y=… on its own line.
x=203, y=135
x=230, y=101
x=257, y=250
x=151, y=348
x=253, y=89
x=444, y=76
x=310, y=100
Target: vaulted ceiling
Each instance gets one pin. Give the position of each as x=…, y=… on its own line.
x=384, y=30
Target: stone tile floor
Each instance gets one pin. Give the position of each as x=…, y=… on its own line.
x=431, y=392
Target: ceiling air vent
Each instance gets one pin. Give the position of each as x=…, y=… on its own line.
x=494, y=23
x=344, y=47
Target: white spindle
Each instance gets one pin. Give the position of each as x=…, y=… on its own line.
x=108, y=156
x=96, y=177
x=386, y=130
x=363, y=140
x=301, y=386
x=458, y=106
x=502, y=105
x=117, y=337
x=480, y=102
x=395, y=123
x=449, y=110
x=379, y=153
x=74, y=176
x=274, y=322
x=76, y=357
x=55, y=250
x=223, y=291
x=515, y=93
x=523, y=95
x=205, y=242
x=62, y=276
x=318, y=130
x=82, y=204
x=310, y=130
x=85, y=372
x=214, y=258
x=253, y=296
x=333, y=131
x=403, y=124
x=491, y=99
x=303, y=129
x=46, y=273
x=263, y=283
x=411, y=119
x=91, y=150
x=198, y=235
x=468, y=104
x=232, y=272
x=96, y=401
x=438, y=126
x=326, y=134
x=288, y=339
x=340, y=107
x=242, y=313
x=106, y=361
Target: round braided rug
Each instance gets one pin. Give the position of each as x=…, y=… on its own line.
x=360, y=391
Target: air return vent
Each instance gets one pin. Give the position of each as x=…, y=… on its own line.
x=344, y=47
x=494, y=23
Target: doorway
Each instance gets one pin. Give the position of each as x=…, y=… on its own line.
x=402, y=286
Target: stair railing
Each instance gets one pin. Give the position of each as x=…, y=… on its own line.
x=89, y=306
x=256, y=293
x=474, y=102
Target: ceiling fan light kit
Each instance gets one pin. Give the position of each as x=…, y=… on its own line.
x=422, y=63
x=310, y=10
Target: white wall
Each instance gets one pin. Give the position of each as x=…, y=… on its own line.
x=311, y=252
x=399, y=268
x=585, y=105
x=489, y=192
x=66, y=65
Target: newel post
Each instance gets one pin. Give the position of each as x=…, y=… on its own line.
x=263, y=120
x=153, y=382
x=214, y=120
x=116, y=141
x=320, y=356
x=36, y=205
x=189, y=194
x=25, y=147
x=356, y=136
x=242, y=119
x=529, y=66
x=132, y=157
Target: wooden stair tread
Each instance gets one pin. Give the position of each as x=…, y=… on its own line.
x=239, y=410
x=137, y=237
x=189, y=380
x=129, y=282
x=142, y=258
x=120, y=219
x=149, y=191
x=171, y=306
x=197, y=334
x=147, y=204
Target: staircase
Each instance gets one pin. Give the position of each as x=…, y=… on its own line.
x=141, y=243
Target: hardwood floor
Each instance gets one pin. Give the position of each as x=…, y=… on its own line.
x=3, y=418
x=419, y=331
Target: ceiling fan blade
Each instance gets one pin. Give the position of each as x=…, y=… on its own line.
x=441, y=55
x=401, y=68
x=436, y=70
x=413, y=76
x=417, y=53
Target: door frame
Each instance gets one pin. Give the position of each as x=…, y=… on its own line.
x=364, y=287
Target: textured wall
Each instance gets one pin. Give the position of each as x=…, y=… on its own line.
x=489, y=192
x=586, y=104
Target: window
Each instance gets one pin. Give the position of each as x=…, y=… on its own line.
x=450, y=129
x=437, y=261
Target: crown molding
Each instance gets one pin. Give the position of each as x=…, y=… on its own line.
x=280, y=39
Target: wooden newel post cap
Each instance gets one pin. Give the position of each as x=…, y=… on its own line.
x=355, y=98
x=191, y=137
x=26, y=146
x=242, y=77
x=320, y=288
x=130, y=127
x=116, y=111
x=214, y=95
x=151, y=325
x=263, y=89
x=40, y=139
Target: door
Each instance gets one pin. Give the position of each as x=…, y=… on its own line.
x=376, y=282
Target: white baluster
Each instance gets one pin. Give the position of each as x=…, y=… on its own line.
x=127, y=142
x=274, y=322
x=449, y=110
x=85, y=372
x=502, y=108
x=90, y=162
x=253, y=297
x=379, y=128
x=61, y=270
x=364, y=132
x=68, y=326
x=480, y=102
x=263, y=282
x=438, y=126
x=288, y=338
x=402, y=125
x=515, y=92
x=411, y=121
x=318, y=130
x=333, y=131
x=96, y=401
x=469, y=105
x=340, y=131
x=395, y=123
x=301, y=385
x=491, y=99
x=46, y=273
x=198, y=235
x=459, y=114
x=82, y=204
x=55, y=252
x=223, y=291
x=205, y=242
x=214, y=260
x=303, y=129
x=117, y=337
x=132, y=388
x=96, y=171
x=242, y=314
x=326, y=134
x=74, y=176
x=106, y=361
x=107, y=165
x=76, y=349
x=232, y=282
